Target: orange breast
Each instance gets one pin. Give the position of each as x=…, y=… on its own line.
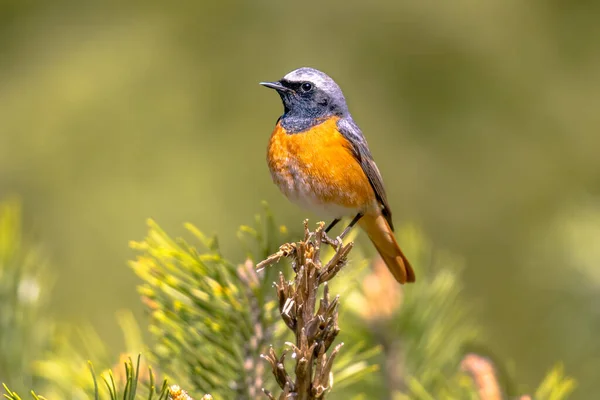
x=316, y=168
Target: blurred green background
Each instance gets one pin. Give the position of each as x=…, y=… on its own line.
x=482, y=117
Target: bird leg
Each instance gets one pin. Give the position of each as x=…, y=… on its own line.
x=352, y=223
x=332, y=224
x=338, y=240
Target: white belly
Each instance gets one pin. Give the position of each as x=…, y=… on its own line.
x=300, y=190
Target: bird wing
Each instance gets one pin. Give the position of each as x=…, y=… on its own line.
x=348, y=128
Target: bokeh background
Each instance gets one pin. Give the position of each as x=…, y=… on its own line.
x=482, y=116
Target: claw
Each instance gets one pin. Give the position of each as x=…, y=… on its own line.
x=332, y=242
x=338, y=242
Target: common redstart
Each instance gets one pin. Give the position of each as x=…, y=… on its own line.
x=320, y=160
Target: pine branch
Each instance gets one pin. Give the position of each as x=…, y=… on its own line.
x=131, y=388
x=209, y=316
x=213, y=318
x=314, y=328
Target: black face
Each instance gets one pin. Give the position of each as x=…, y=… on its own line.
x=305, y=100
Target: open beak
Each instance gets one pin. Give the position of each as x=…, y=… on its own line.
x=275, y=85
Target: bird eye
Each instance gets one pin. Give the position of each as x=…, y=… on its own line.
x=306, y=87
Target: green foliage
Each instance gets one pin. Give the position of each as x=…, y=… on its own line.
x=424, y=328
x=262, y=239
x=131, y=381
x=200, y=318
x=354, y=364
x=14, y=396
x=427, y=332
x=25, y=329
x=556, y=385
x=434, y=323
x=67, y=366
x=130, y=388
x=480, y=116
x=457, y=387
x=210, y=319
x=33, y=352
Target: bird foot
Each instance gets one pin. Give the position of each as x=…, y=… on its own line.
x=336, y=243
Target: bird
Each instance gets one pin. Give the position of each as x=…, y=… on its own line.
x=319, y=158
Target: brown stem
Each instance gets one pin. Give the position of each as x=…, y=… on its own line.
x=315, y=329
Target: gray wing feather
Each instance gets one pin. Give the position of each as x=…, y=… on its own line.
x=352, y=132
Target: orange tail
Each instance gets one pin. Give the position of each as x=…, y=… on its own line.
x=383, y=238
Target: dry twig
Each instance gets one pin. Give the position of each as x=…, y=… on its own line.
x=315, y=328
